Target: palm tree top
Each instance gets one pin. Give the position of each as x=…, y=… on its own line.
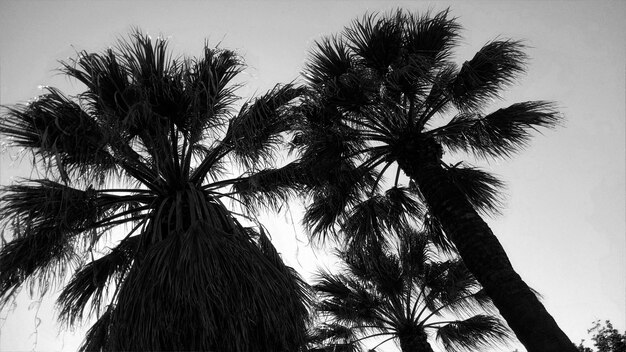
x=385, y=91
x=148, y=148
x=404, y=293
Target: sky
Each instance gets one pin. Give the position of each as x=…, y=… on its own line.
x=564, y=222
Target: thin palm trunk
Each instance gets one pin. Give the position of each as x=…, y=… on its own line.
x=484, y=256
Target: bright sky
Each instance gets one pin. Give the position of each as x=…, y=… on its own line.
x=564, y=225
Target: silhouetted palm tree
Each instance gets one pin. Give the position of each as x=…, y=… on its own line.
x=146, y=147
x=404, y=294
x=380, y=92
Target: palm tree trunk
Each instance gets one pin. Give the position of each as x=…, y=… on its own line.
x=414, y=343
x=485, y=257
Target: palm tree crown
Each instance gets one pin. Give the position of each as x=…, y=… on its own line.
x=407, y=295
x=187, y=274
x=378, y=96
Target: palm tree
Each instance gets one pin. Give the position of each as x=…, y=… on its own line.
x=379, y=95
x=408, y=296
x=132, y=178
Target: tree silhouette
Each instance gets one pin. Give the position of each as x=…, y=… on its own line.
x=145, y=152
x=605, y=338
x=404, y=293
x=378, y=96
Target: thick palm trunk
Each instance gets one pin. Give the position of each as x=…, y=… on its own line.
x=485, y=257
x=414, y=343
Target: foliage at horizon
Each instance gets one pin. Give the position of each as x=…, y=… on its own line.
x=605, y=338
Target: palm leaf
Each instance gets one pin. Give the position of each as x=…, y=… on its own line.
x=495, y=66
x=414, y=253
x=98, y=335
x=376, y=41
x=109, y=91
x=427, y=44
x=480, y=188
x=450, y=281
x=271, y=188
x=330, y=59
x=477, y=332
x=500, y=133
x=431, y=38
x=254, y=133
x=348, y=302
x=48, y=202
x=385, y=273
x=432, y=228
x=48, y=218
x=43, y=254
x=331, y=331
x=89, y=284
x=59, y=130
x=208, y=82
x=341, y=186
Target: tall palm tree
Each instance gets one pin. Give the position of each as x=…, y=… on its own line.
x=403, y=294
x=385, y=92
x=132, y=174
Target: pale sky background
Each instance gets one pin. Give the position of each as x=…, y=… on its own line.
x=564, y=224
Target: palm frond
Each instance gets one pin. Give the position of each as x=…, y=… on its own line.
x=402, y=205
x=43, y=255
x=48, y=219
x=495, y=66
x=364, y=229
x=330, y=59
x=414, y=252
x=383, y=271
x=324, y=147
x=481, y=188
x=59, y=130
x=499, y=134
x=271, y=188
x=97, y=337
x=332, y=331
x=334, y=338
x=110, y=93
x=208, y=81
x=431, y=37
x=433, y=229
x=437, y=101
x=341, y=187
x=254, y=132
x=477, y=332
x=377, y=41
x=89, y=284
x=450, y=285
x=345, y=300
x=390, y=117
x=44, y=202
